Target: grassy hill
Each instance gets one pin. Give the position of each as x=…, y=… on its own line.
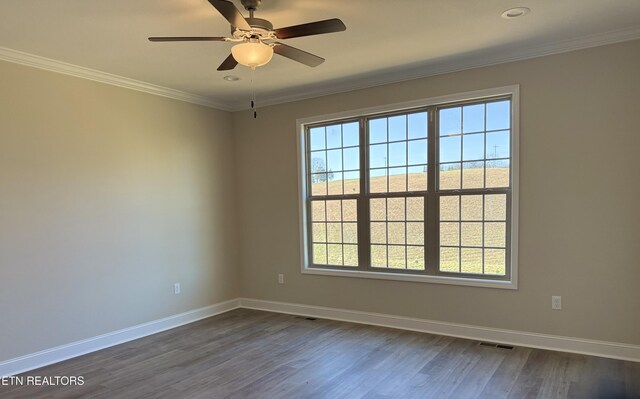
x=400, y=223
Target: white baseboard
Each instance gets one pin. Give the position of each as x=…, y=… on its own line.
x=518, y=338
x=74, y=349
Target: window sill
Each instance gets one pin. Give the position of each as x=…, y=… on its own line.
x=483, y=283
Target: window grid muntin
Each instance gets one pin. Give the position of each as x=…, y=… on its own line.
x=405, y=220
x=330, y=197
x=387, y=143
x=431, y=195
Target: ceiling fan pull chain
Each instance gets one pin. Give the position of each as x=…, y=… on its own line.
x=253, y=96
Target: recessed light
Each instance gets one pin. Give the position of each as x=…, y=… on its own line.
x=231, y=78
x=515, y=12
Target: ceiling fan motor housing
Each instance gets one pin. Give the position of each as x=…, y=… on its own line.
x=251, y=5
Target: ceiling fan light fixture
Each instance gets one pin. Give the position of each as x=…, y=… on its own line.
x=253, y=53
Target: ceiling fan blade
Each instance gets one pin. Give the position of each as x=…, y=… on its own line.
x=312, y=28
x=231, y=13
x=228, y=64
x=297, y=55
x=187, y=39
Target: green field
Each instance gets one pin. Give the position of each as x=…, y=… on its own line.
x=401, y=225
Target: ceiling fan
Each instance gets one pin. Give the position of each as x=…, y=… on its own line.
x=256, y=38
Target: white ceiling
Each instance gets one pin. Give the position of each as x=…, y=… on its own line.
x=384, y=40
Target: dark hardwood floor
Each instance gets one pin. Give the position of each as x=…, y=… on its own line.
x=252, y=354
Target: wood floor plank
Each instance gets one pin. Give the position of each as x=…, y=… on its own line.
x=253, y=354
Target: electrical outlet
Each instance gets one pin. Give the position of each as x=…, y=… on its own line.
x=176, y=288
x=280, y=278
x=556, y=302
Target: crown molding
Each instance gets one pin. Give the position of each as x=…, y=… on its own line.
x=427, y=69
x=423, y=70
x=36, y=61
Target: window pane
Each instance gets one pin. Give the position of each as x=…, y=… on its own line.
x=495, y=234
x=417, y=152
x=495, y=207
x=397, y=180
x=334, y=183
x=450, y=149
x=379, y=255
x=397, y=258
x=449, y=260
x=467, y=235
x=318, y=161
x=398, y=154
x=473, y=174
x=378, y=130
x=351, y=158
x=415, y=233
x=471, y=207
x=415, y=258
x=334, y=160
x=351, y=255
x=495, y=261
x=473, y=118
x=334, y=136
x=320, y=254
x=398, y=128
x=351, y=182
x=349, y=210
x=334, y=211
x=498, y=173
x=417, y=178
x=450, y=233
x=334, y=232
x=319, y=184
x=396, y=233
x=378, y=180
x=471, y=234
x=471, y=260
x=450, y=207
x=498, y=145
x=378, y=209
x=450, y=176
x=473, y=147
x=319, y=232
x=378, y=232
x=350, y=134
x=450, y=121
x=415, y=208
x=350, y=233
x=317, y=141
x=498, y=115
x=395, y=208
x=317, y=211
x=334, y=254
x=418, y=125
x=378, y=156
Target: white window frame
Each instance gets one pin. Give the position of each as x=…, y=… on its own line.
x=512, y=91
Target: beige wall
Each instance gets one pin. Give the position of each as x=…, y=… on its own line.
x=107, y=197
x=579, y=216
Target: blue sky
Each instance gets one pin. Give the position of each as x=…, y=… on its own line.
x=462, y=138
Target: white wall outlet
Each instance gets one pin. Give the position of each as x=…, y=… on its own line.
x=281, y=278
x=176, y=288
x=556, y=302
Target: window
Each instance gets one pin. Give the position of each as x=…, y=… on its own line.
x=425, y=191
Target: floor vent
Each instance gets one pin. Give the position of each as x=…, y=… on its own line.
x=499, y=346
